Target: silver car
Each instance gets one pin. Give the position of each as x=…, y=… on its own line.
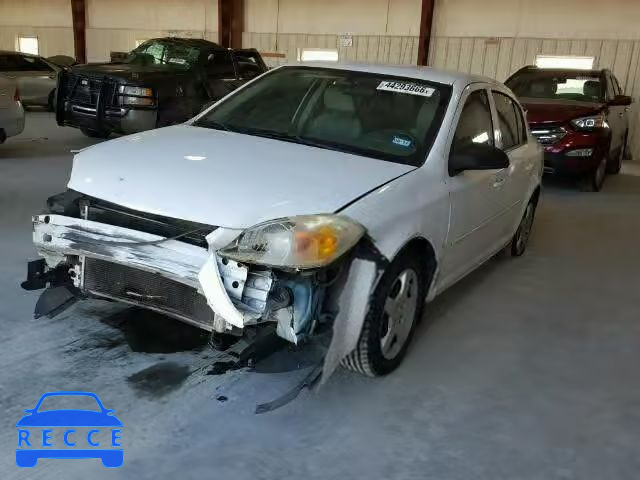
x=35, y=76
x=11, y=111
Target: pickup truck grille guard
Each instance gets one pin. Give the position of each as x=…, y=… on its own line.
x=88, y=95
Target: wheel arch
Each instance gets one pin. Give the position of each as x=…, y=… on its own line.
x=422, y=249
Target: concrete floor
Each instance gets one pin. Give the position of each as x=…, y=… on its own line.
x=528, y=369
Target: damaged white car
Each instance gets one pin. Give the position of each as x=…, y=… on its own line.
x=316, y=198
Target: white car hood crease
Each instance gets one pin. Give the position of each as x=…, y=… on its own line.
x=223, y=178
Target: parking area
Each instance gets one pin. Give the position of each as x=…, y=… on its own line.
x=526, y=369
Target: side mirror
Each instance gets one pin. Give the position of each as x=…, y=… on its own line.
x=621, y=101
x=477, y=156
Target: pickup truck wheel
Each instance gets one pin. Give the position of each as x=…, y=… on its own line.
x=95, y=133
x=521, y=237
x=51, y=102
x=394, y=310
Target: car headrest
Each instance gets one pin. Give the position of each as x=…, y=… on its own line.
x=335, y=99
x=543, y=88
x=592, y=89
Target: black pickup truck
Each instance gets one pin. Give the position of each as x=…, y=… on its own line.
x=162, y=82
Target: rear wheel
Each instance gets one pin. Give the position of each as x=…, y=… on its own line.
x=520, y=239
x=615, y=167
x=394, y=310
x=95, y=133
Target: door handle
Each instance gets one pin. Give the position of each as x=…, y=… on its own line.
x=499, y=181
x=621, y=114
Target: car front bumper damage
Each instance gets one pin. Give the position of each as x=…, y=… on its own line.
x=198, y=286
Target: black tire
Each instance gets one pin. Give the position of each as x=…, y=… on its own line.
x=594, y=181
x=368, y=357
x=51, y=102
x=613, y=168
x=95, y=133
x=520, y=239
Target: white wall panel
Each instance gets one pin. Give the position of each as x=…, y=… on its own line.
x=567, y=19
x=51, y=40
x=35, y=13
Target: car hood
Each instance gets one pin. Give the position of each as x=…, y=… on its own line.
x=223, y=178
x=558, y=111
x=127, y=71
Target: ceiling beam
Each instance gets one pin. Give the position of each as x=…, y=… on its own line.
x=78, y=15
x=426, y=24
x=230, y=23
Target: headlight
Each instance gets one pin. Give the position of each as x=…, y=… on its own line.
x=301, y=242
x=590, y=123
x=130, y=95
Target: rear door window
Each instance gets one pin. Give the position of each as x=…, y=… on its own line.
x=20, y=63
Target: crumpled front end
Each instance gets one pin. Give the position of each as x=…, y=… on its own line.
x=174, y=268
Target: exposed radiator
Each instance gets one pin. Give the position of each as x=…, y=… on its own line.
x=147, y=289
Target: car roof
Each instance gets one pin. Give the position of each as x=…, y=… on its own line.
x=11, y=52
x=196, y=42
x=580, y=71
x=410, y=71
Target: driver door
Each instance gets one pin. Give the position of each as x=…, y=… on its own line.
x=476, y=196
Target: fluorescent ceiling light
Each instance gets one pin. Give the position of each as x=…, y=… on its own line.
x=318, y=55
x=564, y=61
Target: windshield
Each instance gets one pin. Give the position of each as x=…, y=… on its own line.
x=585, y=87
x=165, y=52
x=389, y=118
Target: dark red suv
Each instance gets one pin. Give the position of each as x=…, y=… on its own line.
x=579, y=116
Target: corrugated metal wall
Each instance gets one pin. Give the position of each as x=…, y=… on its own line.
x=500, y=57
x=51, y=40
x=493, y=57
x=366, y=48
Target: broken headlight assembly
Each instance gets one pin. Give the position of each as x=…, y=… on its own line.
x=300, y=242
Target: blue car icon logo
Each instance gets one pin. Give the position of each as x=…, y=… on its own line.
x=69, y=433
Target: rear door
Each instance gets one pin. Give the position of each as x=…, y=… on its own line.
x=36, y=79
x=622, y=111
x=511, y=137
x=616, y=117
x=476, y=197
x=7, y=90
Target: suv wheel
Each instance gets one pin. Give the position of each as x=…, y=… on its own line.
x=594, y=181
x=394, y=310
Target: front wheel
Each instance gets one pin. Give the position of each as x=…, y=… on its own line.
x=394, y=310
x=95, y=133
x=520, y=239
x=593, y=181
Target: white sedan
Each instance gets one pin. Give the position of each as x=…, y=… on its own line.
x=11, y=110
x=314, y=199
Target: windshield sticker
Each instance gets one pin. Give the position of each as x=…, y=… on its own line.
x=406, y=87
x=401, y=142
